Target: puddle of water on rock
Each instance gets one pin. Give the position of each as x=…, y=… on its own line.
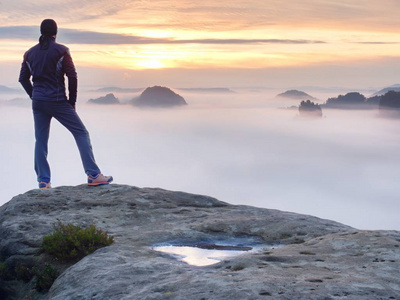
x=207, y=255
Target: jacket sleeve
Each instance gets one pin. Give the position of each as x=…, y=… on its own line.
x=25, y=77
x=70, y=72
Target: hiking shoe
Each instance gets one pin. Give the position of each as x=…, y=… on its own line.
x=44, y=185
x=100, y=179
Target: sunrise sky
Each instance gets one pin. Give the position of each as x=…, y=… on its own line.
x=237, y=147
x=213, y=43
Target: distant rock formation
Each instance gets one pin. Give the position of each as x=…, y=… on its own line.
x=352, y=100
x=309, y=109
x=389, y=105
x=108, y=99
x=159, y=96
x=317, y=259
x=395, y=87
x=296, y=95
x=373, y=101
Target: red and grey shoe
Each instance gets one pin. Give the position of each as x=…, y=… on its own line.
x=44, y=185
x=100, y=179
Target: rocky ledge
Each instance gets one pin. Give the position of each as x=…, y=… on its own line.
x=319, y=259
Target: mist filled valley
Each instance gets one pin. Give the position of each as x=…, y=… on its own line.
x=242, y=148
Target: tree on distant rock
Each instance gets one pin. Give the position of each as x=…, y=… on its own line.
x=310, y=109
x=159, y=96
x=389, y=106
x=350, y=101
x=373, y=101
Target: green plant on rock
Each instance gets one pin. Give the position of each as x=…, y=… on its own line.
x=307, y=253
x=24, y=272
x=3, y=269
x=45, y=277
x=70, y=242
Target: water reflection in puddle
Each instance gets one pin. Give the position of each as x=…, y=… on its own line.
x=207, y=255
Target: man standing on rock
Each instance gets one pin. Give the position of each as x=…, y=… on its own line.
x=47, y=63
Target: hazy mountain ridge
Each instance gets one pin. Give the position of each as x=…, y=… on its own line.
x=166, y=97
x=218, y=90
x=208, y=90
x=394, y=87
x=293, y=91
x=118, y=90
x=7, y=90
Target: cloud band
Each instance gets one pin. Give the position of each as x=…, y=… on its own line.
x=91, y=37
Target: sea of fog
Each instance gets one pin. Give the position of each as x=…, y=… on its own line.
x=240, y=148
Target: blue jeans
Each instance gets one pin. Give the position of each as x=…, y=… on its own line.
x=43, y=112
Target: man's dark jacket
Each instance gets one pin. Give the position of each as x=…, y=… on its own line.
x=47, y=66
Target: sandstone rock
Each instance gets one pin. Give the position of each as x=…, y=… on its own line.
x=107, y=99
x=320, y=259
x=308, y=109
x=159, y=96
x=296, y=95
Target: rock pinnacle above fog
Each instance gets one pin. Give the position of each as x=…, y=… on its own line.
x=309, y=109
x=107, y=99
x=296, y=95
x=159, y=96
x=318, y=259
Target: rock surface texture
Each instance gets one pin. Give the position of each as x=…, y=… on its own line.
x=319, y=259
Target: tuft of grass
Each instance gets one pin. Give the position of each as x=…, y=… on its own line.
x=69, y=242
x=45, y=277
x=307, y=253
x=24, y=272
x=285, y=236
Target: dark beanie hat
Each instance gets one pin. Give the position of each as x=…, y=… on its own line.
x=48, y=27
